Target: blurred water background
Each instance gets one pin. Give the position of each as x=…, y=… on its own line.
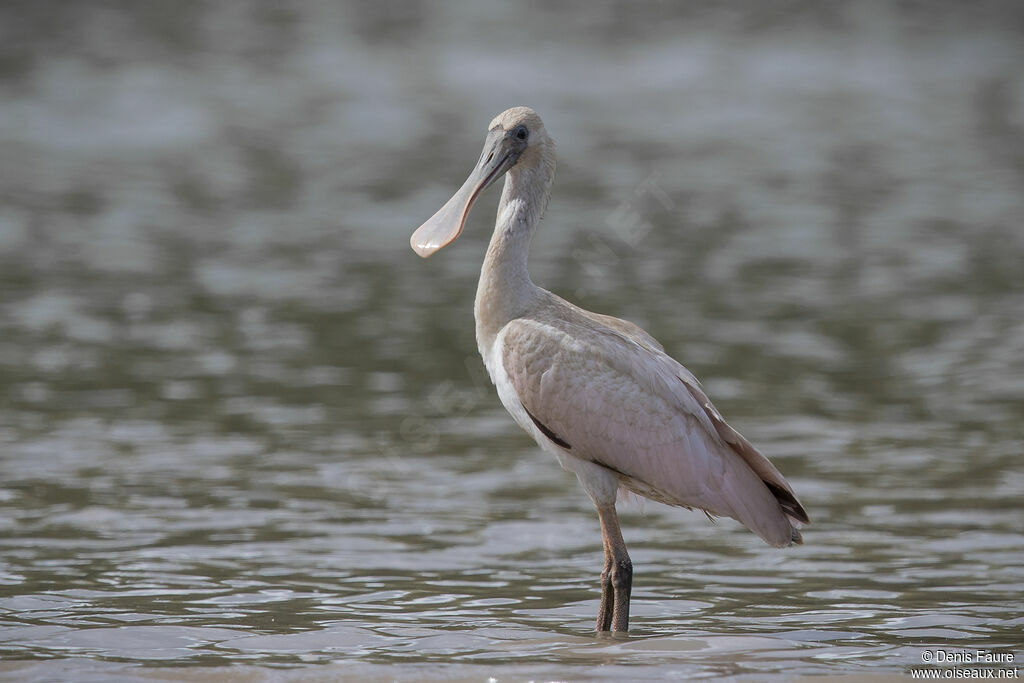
x=244, y=428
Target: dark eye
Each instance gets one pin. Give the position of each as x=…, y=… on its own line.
x=521, y=133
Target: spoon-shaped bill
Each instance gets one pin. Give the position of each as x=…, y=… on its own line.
x=444, y=227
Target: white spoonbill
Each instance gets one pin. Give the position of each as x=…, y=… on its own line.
x=597, y=392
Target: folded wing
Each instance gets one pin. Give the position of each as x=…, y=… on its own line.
x=621, y=402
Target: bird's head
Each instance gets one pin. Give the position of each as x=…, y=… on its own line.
x=516, y=141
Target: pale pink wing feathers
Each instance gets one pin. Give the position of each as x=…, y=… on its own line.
x=615, y=398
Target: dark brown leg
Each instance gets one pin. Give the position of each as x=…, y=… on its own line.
x=617, y=577
x=604, y=614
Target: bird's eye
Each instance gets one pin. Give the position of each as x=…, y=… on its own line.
x=521, y=133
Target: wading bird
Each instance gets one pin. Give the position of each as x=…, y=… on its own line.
x=598, y=392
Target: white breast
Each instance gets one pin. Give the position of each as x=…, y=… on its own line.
x=600, y=483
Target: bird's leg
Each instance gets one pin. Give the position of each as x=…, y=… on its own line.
x=617, y=577
x=604, y=614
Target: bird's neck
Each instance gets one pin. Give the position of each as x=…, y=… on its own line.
x=505, y=290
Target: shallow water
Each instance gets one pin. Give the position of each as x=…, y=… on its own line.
x=245, y=429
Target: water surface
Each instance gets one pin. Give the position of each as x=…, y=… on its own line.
x=245, y=429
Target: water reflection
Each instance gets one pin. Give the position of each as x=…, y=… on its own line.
x=242, y=423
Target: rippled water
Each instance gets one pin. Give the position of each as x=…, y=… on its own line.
x=243, y=426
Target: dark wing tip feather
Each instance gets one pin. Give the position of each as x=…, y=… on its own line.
x=790, y=505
